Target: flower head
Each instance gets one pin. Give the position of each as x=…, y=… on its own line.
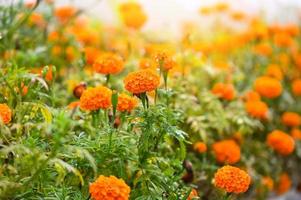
x=96, y=98
x=267, y=182
x=142, y=81
x=296, y=87
x=126, y=103
x=257, y=109
x=274, y=71
x=268, y=87
x=5, y=113
x=232, y=179
x=200, y=147
x=226, y=151
x=296, y=134
x=252, y=96
x=281, y=142
x=109, y=188
x=291, y=119
x=132, y=15
x=108, y=63
x=224, y=91
x=64, y=13
x=284, y=184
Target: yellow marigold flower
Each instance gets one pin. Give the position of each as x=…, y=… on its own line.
x=108, y=63
x=284, y=184
x=257, y=109
x=267, y=182
x=281, y=142
x=5, y=113
x=96, y=98
x=224, y=91
x=109, y=188
x=126, y=103
x=268, y=87
x=291, y=119
x=200, y=147
x=226, y=151
x=296, y=134
x=274, y=71
x=132, y=15
x=142, y=81
x=232, y=179
x=296, y=87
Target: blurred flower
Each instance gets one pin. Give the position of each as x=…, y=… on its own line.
x=147, y=63
x=65, y=13
x=284, y=184
x=296, y=134
x=193, y=194
x=263, y=49
x=268, y=87
x=283, y=40
x=109, y=188
x=257, y=109
x=232, y=179
x=5, y=113
x=36, y=19
x=132, y=15
x=200, y=147
x=96, y=98
x=226, y=151
x=126, y=103
x=274, y=71
x=267, y=182
x=142, y=81
x=91, y=54
x=108, y=63
x=296, y=87
x=281, y=142
x=252, y=96
x=224, y=91
x=291, y=119
x=73, y=105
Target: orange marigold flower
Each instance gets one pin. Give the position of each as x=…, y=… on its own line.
x=73, y=105
x=268, y=87
x=109, y=188
x=164, y=60
x=226, y=151
x=126, y=103
x=193, y=194
x=36, y=19
x=283, y=40
x=296, y=87
x=291, y=119
x=232, y=179
x=284, y=184
x=267, y=182
x=257, y=109
x=263, y=49
x=224, y=91
x=142, y=81
x=132, y=15
x=296, y=134
x=274, y=71
x=252, y=96
x=96, y=98
x=281, y=142
x=200, y=147
x=64, y=13
x=108, y=63
x=5, y=113
x=91, y=54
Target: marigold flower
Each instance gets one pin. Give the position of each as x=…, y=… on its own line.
x=257, y=109
x=73, y=105
x=36, y=19
x=291, y=119
x=5, y=113
x=164, y=60
x=96, y=98
x=226, y=151
x=267, y=182
x=232, y=179
x=221, y=6
x=132, y=15
x=268, y=87
x=79, y=89
x=200, y=147
x=284, y=184
x=263, y=49
x=109, y=188
x=283, y=40
x=274, y=71
x=91, y=54
x=296, y=87
x=142, y=81
x=64, y=13
x=296, y=134
x=108, y=63
x=126, y=103
x=224, y=91
x=252, y=96
x=281, y=142
x=193, y=194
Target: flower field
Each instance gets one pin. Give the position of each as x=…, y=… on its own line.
x=99, y=112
